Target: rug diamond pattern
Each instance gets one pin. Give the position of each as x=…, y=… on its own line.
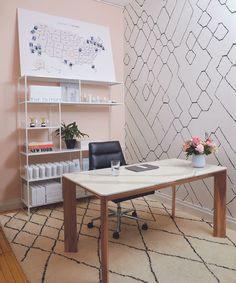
x=171, y=250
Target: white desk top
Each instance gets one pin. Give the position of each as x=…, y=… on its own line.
x=102, y=183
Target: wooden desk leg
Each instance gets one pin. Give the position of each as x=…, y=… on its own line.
x=173, y=200
x=104, y=240
x=70, y=229
x=219, y=229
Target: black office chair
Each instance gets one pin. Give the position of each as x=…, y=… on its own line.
x=100, y=156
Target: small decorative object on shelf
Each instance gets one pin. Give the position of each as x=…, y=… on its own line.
x=69, y=133
x=199, y=148
x=43, y=122
x=33, y=122
x=70, y=92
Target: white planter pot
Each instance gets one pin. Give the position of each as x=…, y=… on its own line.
x=198, y=161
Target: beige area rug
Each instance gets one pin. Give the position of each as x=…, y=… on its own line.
x=181, y=250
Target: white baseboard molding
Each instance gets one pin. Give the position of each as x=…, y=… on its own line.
x=196, y=210
x=10, y=204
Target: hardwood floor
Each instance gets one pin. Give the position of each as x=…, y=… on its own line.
x=10, y=270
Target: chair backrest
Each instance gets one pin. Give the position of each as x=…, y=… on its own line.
x=101, y=154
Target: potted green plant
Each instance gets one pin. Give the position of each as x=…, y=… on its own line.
x=69, y=133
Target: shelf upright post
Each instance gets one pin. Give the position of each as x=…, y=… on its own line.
x=48, y=123
x=81, y=160
x=80, y=91
x=20, y=129
x=110, y=116
x=124, y=111
x=27, y=140
x=60, y=121
x=26, y=120
x=80, y=152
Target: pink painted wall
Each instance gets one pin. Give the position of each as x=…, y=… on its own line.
x=84, y=10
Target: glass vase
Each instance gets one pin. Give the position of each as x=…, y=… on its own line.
x=198, y=161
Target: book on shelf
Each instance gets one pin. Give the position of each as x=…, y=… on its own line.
x=40, y=146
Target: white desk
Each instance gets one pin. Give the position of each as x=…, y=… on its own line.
x=171, y=172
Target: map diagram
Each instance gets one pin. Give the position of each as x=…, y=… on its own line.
x=71, y=48
x=51, y=46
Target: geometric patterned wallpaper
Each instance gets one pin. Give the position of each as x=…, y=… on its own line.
x=180, y=79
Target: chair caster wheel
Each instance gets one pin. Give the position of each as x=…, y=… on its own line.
x=90, y=225
x=116, y=235
x=134, y=214
x=144, y=226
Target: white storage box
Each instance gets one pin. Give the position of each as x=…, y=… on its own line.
x=39, y=93
x=36, y=194
x=85, y=164
x=40, y=194
x=53, y=191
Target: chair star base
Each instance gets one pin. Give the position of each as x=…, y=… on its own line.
x=119, y=213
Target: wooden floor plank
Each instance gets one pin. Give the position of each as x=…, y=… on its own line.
x=2, y=278
x=15, y=268
x=5, y=270
x=10, y=269
x=4, y=245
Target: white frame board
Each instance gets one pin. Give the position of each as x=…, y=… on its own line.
x=57, y=47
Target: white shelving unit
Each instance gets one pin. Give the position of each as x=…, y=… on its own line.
x=53, y=112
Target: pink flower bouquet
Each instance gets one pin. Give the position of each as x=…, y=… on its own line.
x=197, y=146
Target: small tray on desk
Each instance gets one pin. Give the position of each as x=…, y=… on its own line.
x=142, y=168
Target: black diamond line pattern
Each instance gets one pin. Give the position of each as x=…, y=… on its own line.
x=190, y=54
x=161, y=224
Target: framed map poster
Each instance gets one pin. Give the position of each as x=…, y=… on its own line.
x=57, y=47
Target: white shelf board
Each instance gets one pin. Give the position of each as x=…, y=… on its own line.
x=92, y=103
x=63, y=80
x=55, y=151
x=42, y=204
x=117, y=3
x=40, y=128
x=75, y=103
x=50, y=202
x=40, y=179
x=36, y=102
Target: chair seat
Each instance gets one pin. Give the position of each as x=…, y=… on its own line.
x=132, y=197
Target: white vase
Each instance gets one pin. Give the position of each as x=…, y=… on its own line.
x=198, y=161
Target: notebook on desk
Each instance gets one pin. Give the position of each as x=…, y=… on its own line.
x=141, y=168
